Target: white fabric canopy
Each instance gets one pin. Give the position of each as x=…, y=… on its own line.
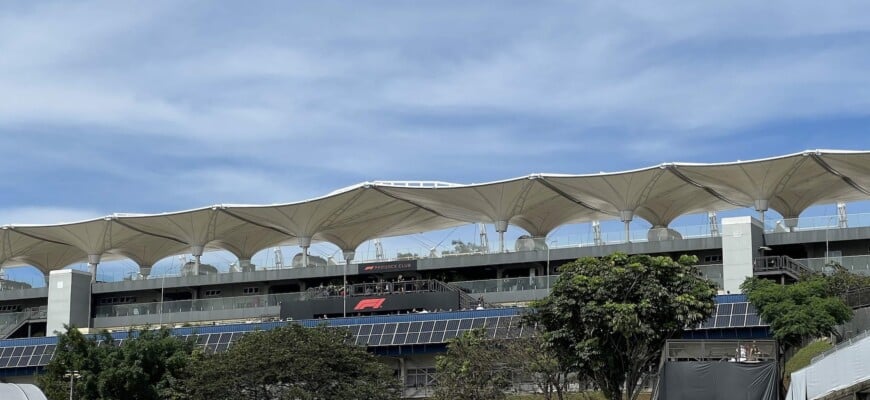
x=537, y=203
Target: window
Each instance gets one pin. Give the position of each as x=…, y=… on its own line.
x=713, y=258
x=212, y=293
x=419, y=377
x=118, y=300
x=251, y=290
x=10, y=308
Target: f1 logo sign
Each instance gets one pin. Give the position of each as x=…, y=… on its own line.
x=374, y=304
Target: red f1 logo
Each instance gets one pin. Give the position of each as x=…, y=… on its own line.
x=374, y=304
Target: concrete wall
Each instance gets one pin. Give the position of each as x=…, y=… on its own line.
x=22, y=294
x=741, y=239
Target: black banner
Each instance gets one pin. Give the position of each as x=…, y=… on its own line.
x=388, y=266
x=366, y=305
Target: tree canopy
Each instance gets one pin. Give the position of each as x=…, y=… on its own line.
x=473, y=368
x=609, y=318
x=809, y=308
x=293, y=362
x=152, y=365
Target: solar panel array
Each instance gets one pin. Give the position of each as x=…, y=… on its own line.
x=382, y=334
x=371, y=335
x=733, y=315
x=432, y=332
x=26, y=356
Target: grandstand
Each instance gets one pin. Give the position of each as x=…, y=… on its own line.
x=407, y=307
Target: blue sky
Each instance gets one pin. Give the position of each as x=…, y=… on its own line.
x=112, y=106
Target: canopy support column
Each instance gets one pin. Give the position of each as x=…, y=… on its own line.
x=790, y=223
x=761, y=206
x=196, y=251
x=348, y=257
x=501, y=228
x=93, y=261
x=245, y=264
x=144, y=271
x=596, y=233
x=626, y=216
x=304, y=243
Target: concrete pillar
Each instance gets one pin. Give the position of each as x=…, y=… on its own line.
x=69, y=300
x=532, y=273
x=304, y=243
x=196, y=251
x=626, y=216
x=93, y=261
x=790, y=223
x=245, y=265
x=498, y=274
x=403, y=372
x=348, y=257
x=741, y=239
x=501, y=228
x=145, y=270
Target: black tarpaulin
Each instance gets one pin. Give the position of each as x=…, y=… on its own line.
x=718, y=380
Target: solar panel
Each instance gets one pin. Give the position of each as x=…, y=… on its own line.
x=732, y=315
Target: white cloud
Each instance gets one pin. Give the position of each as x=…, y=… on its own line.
x=294, y=104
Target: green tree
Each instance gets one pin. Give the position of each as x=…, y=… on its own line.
x=293, y=362
x=609, y=318
x=473, y=368
x=74, y=352
x=807, y=309
x=148, y=365
x=534, y=359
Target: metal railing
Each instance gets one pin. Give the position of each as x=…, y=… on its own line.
x=817, y=223
x=855, y=264
x=712, y=272
x=507, y=284
x=838, y=346
x=784, y=264
x=379, y=288
x=215, y=304
x=857, y=298
x=10, y=322
x=730, y=350
x=272, y=300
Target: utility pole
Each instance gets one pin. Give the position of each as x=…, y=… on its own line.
x=72, y=375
